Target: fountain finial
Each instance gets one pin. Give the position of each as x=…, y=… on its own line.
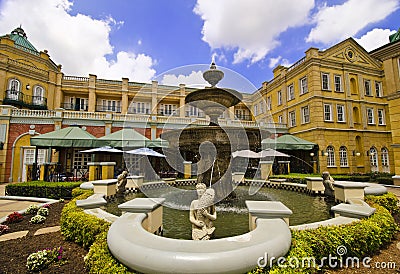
x=213, y=75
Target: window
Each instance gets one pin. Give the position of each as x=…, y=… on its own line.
x=255, y=110
x=111, y=105
x=38, y=95
x=167, y=109
x=192, y=111
x=381, y=117
x=303, y=85
x=330, y=158
x=290, y=90
x=367, y=86
x=328, y=112
x=385, y=156
x=269, y=103
x=373, y=156
x=325, y=81
x=280, y=119
x=378, y=89
x=343, y=157
x=139, y=107
x=370, y=116
x=292, y=119
x=80, y=161
x=340, y=113
x=262, y=105
x=279, y=98
x=338, y=83
x=13, y=89
x=305, y=115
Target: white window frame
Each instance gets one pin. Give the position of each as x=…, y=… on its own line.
x=367, y=87
x=381, y=117
x=385, y=156
x=14, y=87
x=325, y=82
x=280, y=119
x=305, y=115
x=279, y=98
x=330, y=158
x=373, y=156
x=303, y=85
x=255, y=109
x=340, y=113
x=38, y=95
x=343, y=159
x=269, y=103
x=292, y=118
x=261, y=106
x=337, y=84
x=378, y=89
x=290, y=92
x=370, y=116
x=328, y=112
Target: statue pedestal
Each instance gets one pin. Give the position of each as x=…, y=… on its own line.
x=315, y=185
x=348, y=190
x=267, y=210
x=106, y=187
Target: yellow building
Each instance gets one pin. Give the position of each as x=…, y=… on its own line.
x=336, y=98
x=344, y=99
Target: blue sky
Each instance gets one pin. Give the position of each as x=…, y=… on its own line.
x=154, y=39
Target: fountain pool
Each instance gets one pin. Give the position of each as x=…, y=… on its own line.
x=233, y=217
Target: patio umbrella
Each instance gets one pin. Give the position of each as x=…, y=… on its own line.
x=269, y=152
x=105, y=149
x=245, y=154
x=145, y=151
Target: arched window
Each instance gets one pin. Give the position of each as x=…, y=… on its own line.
x=373, y=156
x=38, y=95
x=331, y=156
x=343, y=157
x=385, y=156
x=14, y=87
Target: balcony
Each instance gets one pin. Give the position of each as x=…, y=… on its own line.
x=19, y=99
x=243, y=117
x=79, y=107
x=111, y=108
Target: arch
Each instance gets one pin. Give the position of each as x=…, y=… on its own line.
x=385, y=160
x=330, y=157
x=13, y=89
x=353, y=86
x=373, y=158
x=38, y=95
x=343, y=160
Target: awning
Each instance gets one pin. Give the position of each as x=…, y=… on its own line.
x=287, y=142
x=269, y=152
x=126, y=137
x=66, y=137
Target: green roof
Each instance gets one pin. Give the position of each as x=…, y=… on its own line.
x=395, y=37
x=20, y=39
x=66, y=137
x=287, y=142
x=126, y=137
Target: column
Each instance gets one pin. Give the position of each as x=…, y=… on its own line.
x=92, y=93
x=125, y=98
x=187, y=169
x=182, y=95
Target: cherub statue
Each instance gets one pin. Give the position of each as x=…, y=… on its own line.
x=328, y=184
x=202, y=213
x=122, y=182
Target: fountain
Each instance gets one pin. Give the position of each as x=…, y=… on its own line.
x=210, y=147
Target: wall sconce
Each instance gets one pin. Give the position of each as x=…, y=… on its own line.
x=324, y=153
x=356, y=153
x=369, y=153
x=28, y=86
x=312, y=154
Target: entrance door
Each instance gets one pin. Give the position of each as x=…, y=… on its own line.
x=29, y=159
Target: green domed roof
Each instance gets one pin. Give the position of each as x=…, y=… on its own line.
x=20, y=39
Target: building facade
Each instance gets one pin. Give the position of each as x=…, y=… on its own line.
x=343, y=99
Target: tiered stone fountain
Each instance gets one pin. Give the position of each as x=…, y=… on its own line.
x=210, y=147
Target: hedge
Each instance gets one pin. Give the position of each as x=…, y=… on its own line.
x=52, y=190
x=361, y=239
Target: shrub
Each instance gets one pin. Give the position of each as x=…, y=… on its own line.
x=53, y=190
x=14, y=217
x=100, y=260
x=43, y=211
x=388, y=201
x=37, y=219
x=4, y=229
x=384, y=180
x=78, y=226
x=32, y=209
x=43, y=258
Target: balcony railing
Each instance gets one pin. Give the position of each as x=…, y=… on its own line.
x=19, y=99
x=103, y=108
x=243, y=117
x=138, y=110
x=69, y=106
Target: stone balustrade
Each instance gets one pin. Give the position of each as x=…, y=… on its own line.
x=315, y=185
x=348, y=190
x=107, y=187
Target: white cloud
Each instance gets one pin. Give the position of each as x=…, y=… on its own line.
x=194, y=79
x=375, y=38
x=273, y=62
x=336, y=23
x=252, y=27
x=79, y=42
